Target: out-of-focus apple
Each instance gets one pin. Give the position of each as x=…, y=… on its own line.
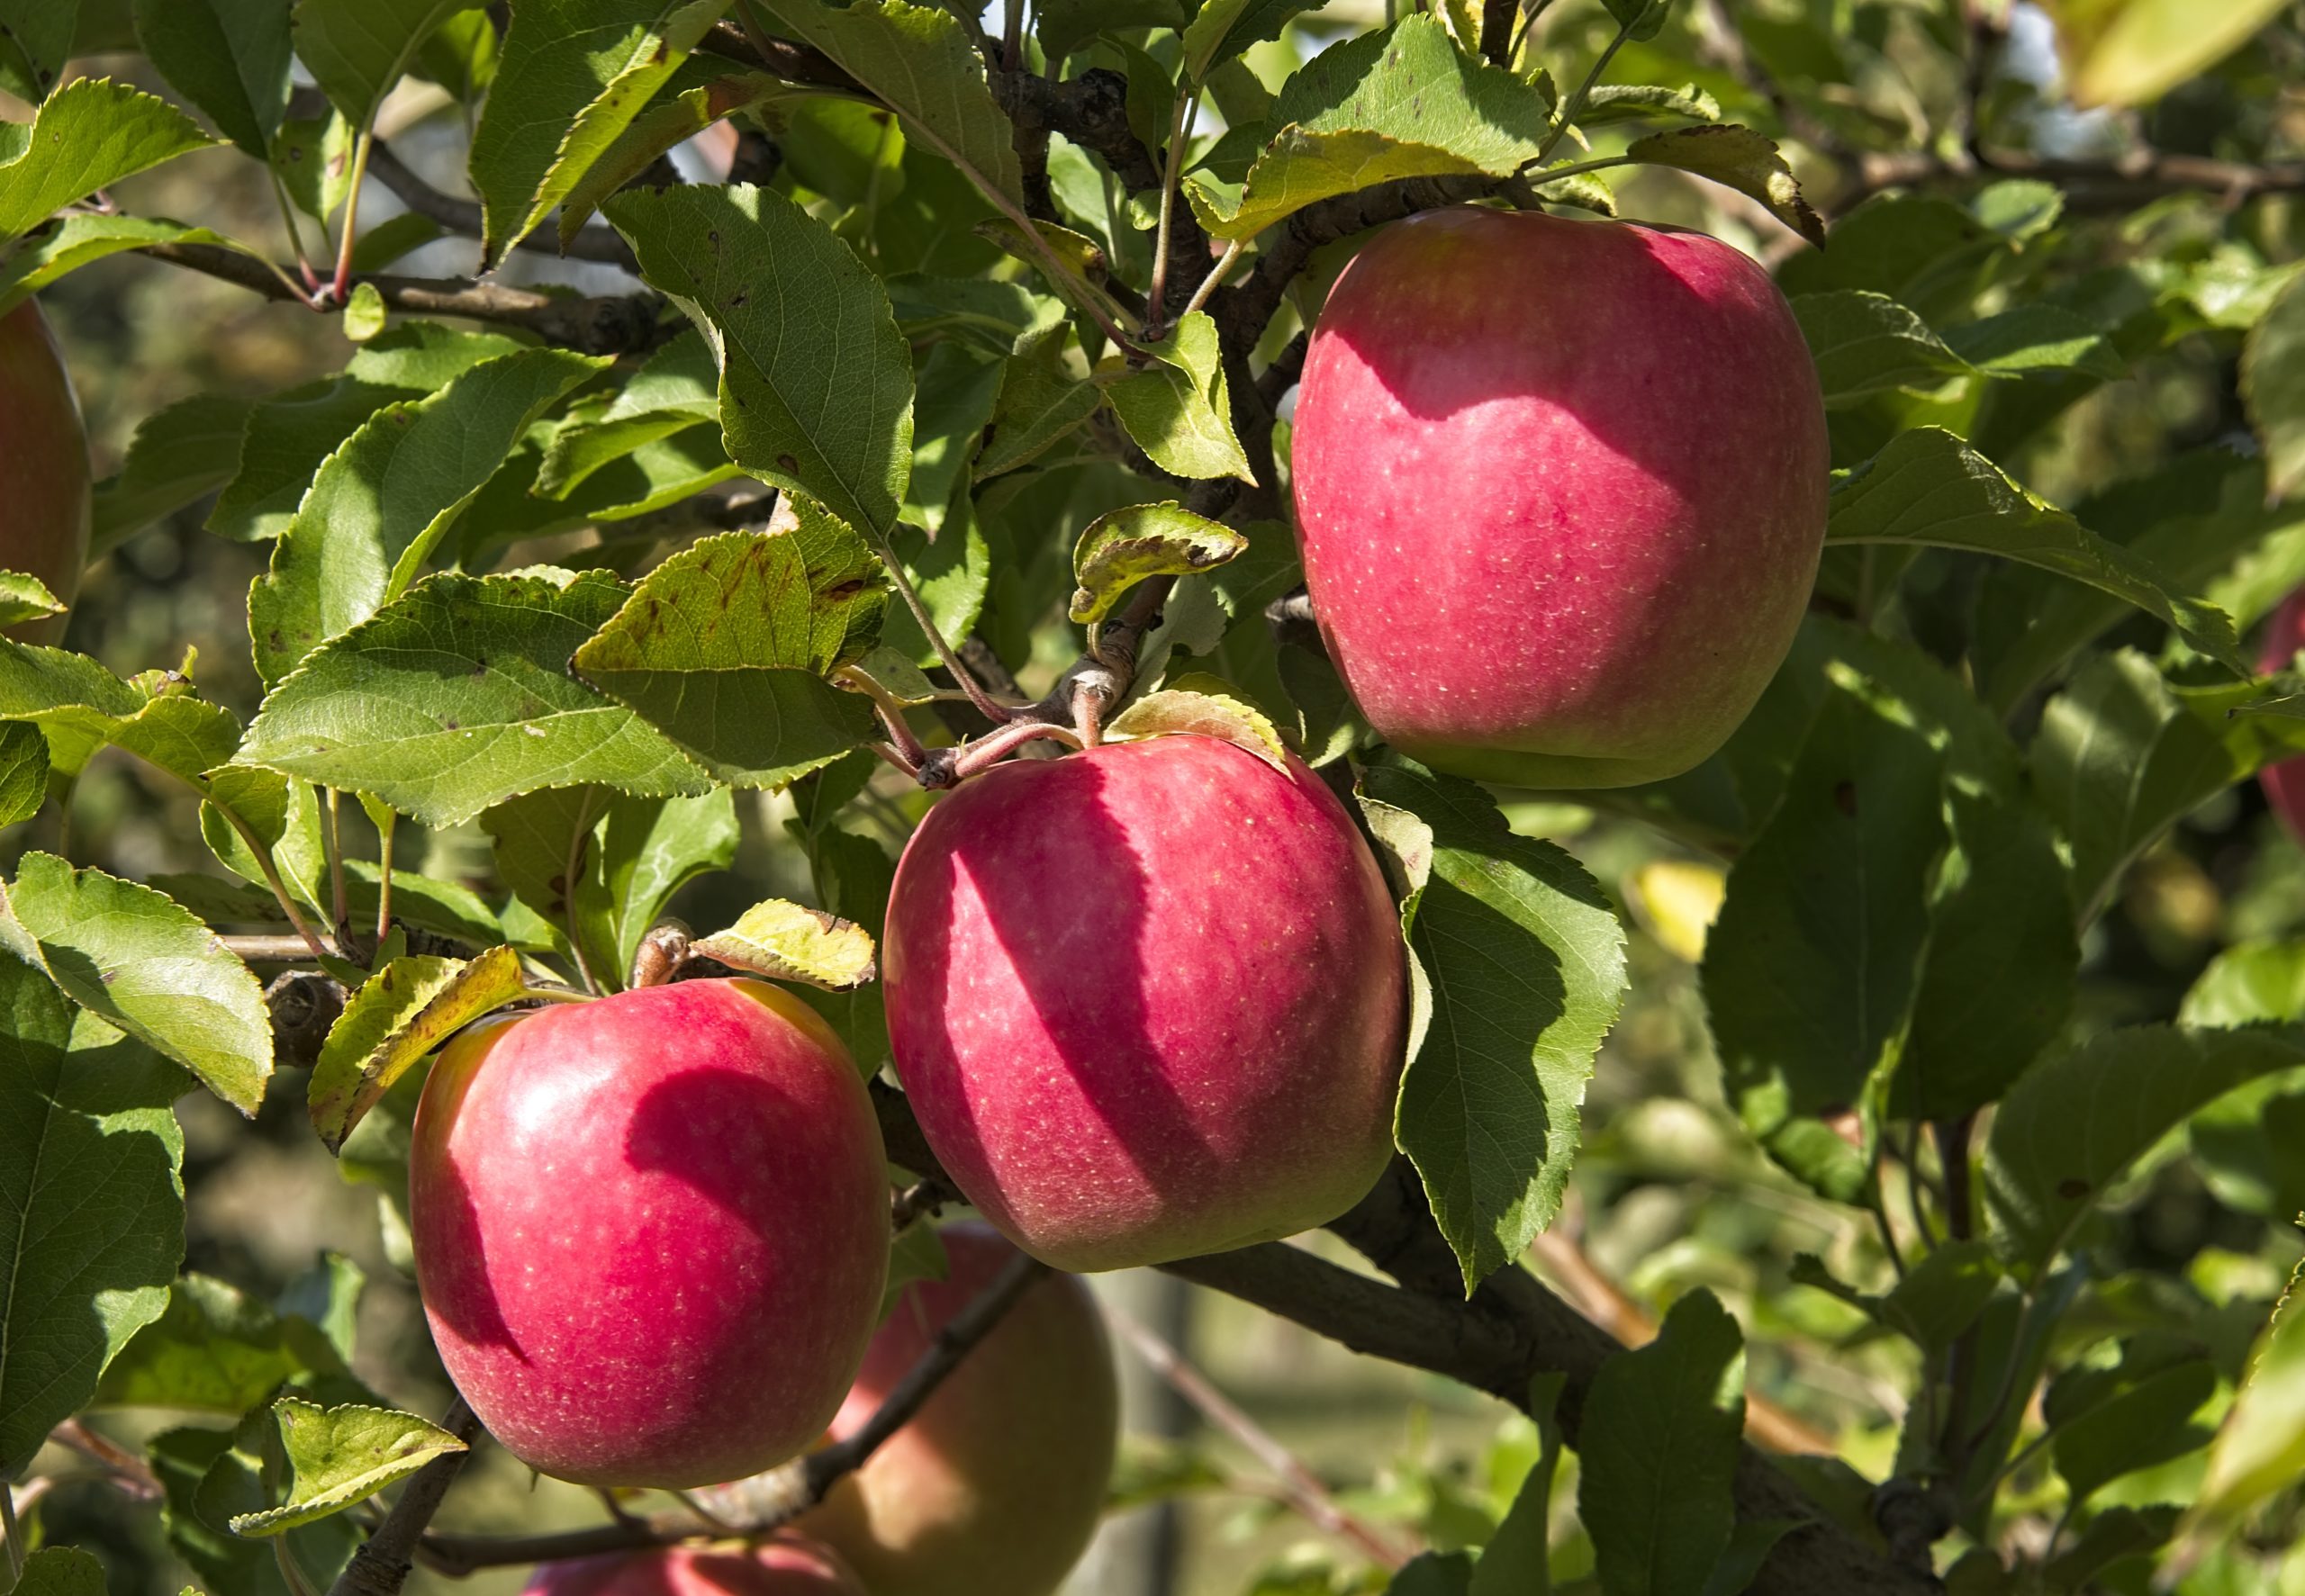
x=44, y=478
x=785, y=1567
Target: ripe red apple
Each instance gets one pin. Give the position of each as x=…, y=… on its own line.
x=651, y=1231
x=44, y=477
x=995, y=1485
x=785, y=1567
x=1146, y=1000
x=1561, y=487
x=2284, y=783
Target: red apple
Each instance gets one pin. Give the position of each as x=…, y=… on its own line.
x=785, y=1567
x=2284, y=783
x=651, y=1231
x=44, y=477
x=1561, y=489
x=1146, y=1000
x=995, y=1485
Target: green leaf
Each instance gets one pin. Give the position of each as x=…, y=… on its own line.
x=215, y=1351
x=61, y=1571
x=956, y=388
x=1402, y=102
x=1813, y=966
x=1517, y=1561
x=2126, y=52
x=365, y=313
x=90, y=134
x=1041, y=403
x=342, y=1455
x=2246, y=984
x=77, y=240
x=141, y=961
x=1638, y=102
x=1526, y=965
x=1176, y=408
x=356, y=50
x=381, y=246
x=658, y=128
x=461, y=55
x=1928, y=488
x=2260, y=1445
x=1199, y=712
x=1063, y=26
x=1663, y=1426
x=1223, y=29
x=727, y=645
x=2273, y=384
x=91, y=1204
x=1122, y=548
x=1639, y=19
x=1435, y=1573
x=2038, y=338
x=677, y=388
x=25, y=597
x=787, y=943
x=312, y=158
x=400, y=1014
x=1868, y=342
x=23, y=772
x=816, y=381
x=179, y=454
x=2075, y=1122
x=1735, y=157
x=574, y=73
x=2121, y=755
x=289, y=435
x=917, y=61
x=381, y=502
x=458, y=696
x=35, y=39
x=230, y=58
x=81, y=707
x=2142, y=1419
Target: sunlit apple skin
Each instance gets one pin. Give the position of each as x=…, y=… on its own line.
x=2284, y=783
x=994, y=1487
x=44, y=477
x=651, y=1231
x=1146, y=1000
x=1561, y=490
x=786, y=1566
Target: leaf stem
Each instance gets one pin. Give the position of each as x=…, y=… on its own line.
x=342, y=912
x=385, y=874
x=1215, y=275
x=1573, y=106
x=891, y=709
x=296, y=234
x=1540, y=175
x=1188, y=101
x=990, y=707
x=9, y=1532
x=571, y=875
x=341, y=287
x=321, y=949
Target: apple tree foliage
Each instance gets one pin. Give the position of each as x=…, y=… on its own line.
x=949, y=334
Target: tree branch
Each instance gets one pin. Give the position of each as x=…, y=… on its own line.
x=2116, y=184
x=764, y=1502
x=613, y=324
x=382, y=1565
x=466, y=216
x=1496, y=18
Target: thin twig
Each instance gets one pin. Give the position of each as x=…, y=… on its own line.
x=1304, y=1490
x=9, y=1532
x=263, y=855
x=765, y=1503
x=1496, y=29
x=382, y=1565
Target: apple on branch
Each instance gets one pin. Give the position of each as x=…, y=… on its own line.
x=1562, y=492
x=45, y=502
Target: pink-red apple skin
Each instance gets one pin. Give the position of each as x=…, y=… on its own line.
x=785, y=1567
x=44, y=478
x=1562, y=492
x=1146, y=1000
x=994, y=1487
x=651, y=1231
x=2284, y=782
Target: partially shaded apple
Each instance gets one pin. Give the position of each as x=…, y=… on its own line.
x=995, y=1485
x=1562, y=490
x=45, y=502
x=1147, y=1000
x=651, y=1231
x=2284, y=782
x=785, y=1567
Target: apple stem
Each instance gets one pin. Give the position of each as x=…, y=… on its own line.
x=661, y=952
x=949, y=767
